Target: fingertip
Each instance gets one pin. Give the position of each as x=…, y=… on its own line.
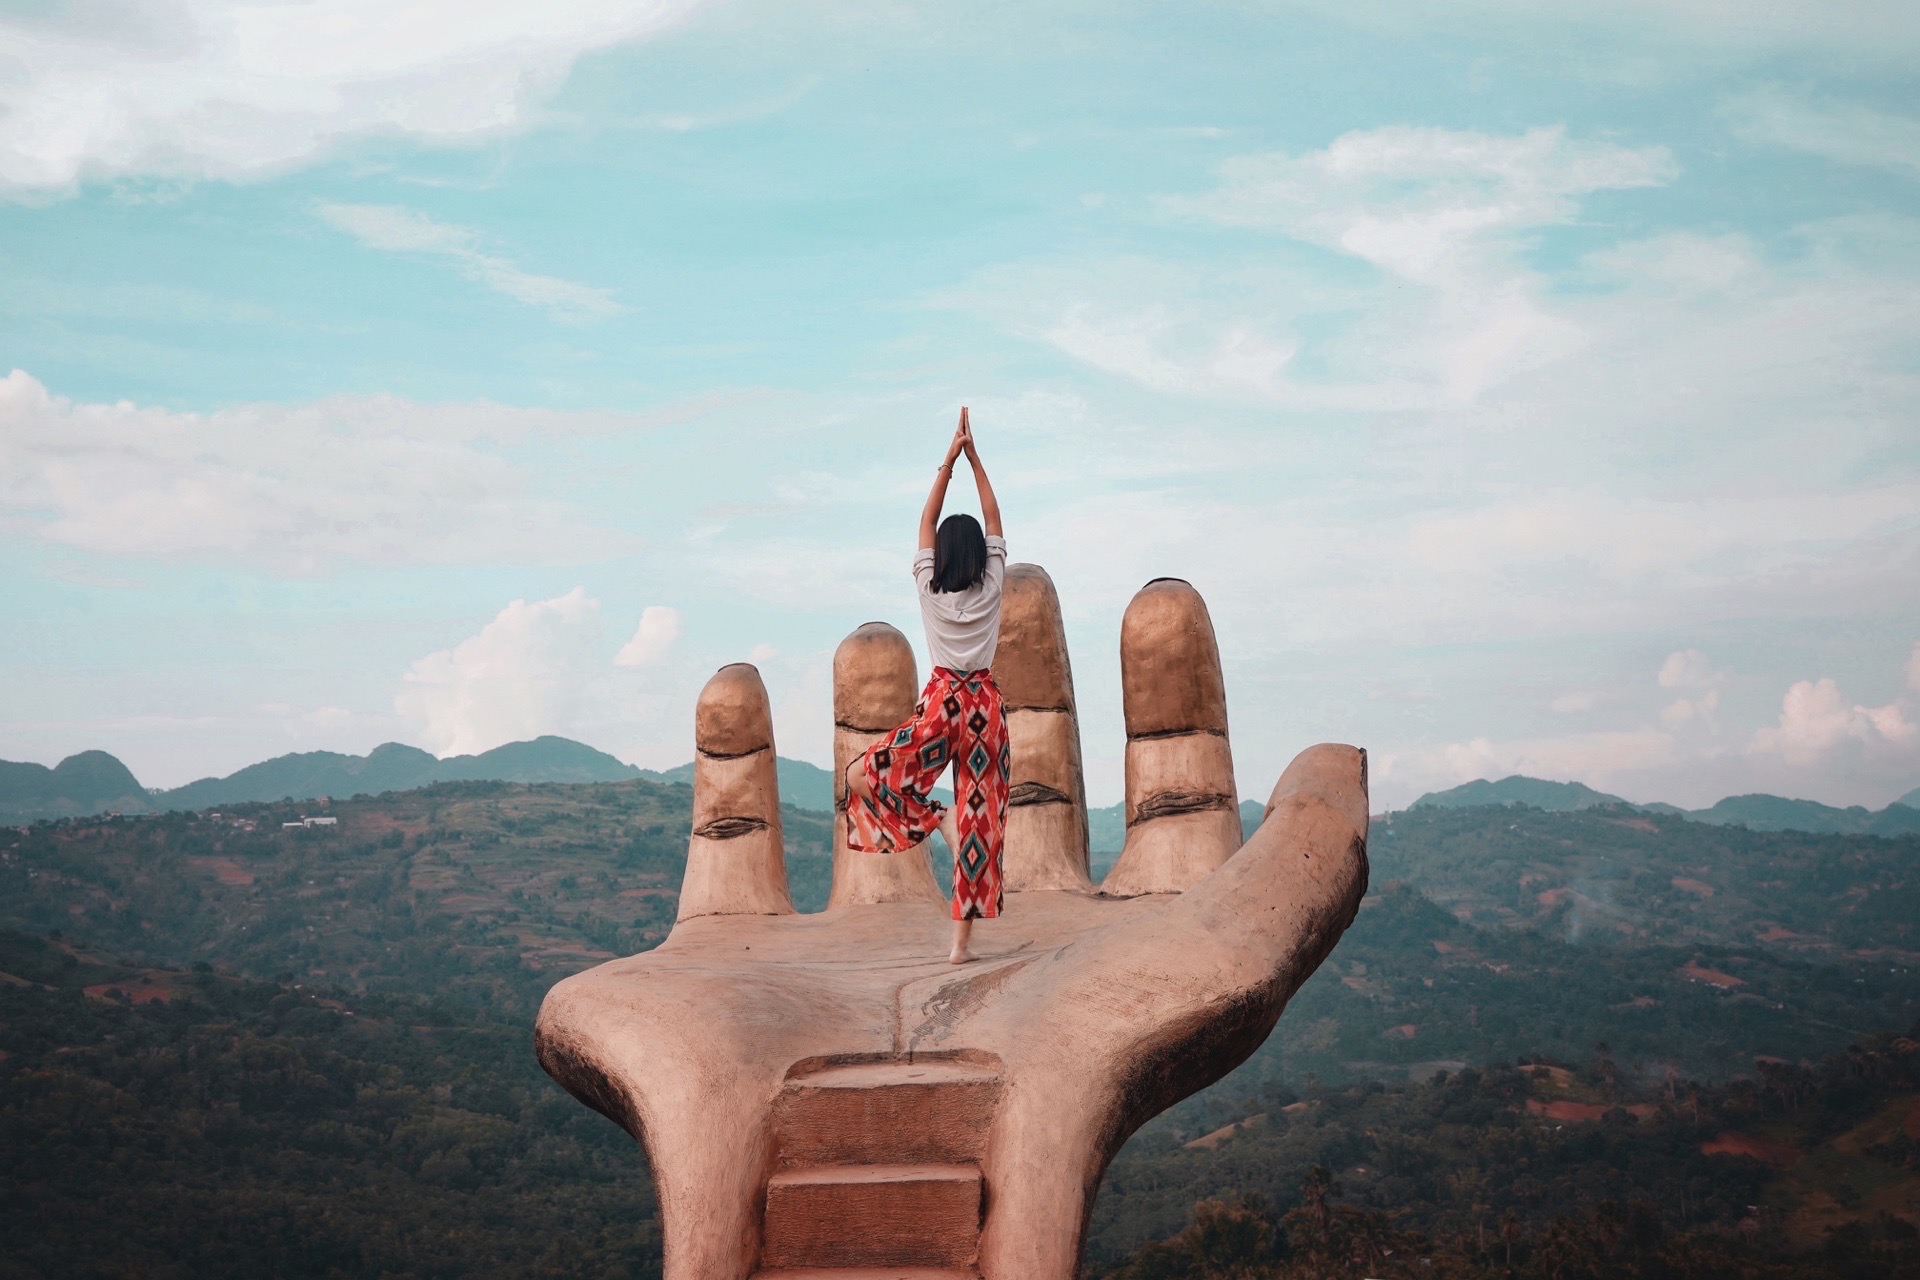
x=873, y=678
x=1170, y=662
x=1334, y=771
x=733, y=715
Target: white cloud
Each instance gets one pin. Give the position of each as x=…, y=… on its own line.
x=1891, y=723
x=527, y=672
x=230, y=89
x=1822, y=745
x=1848, y=133
x=1815, y=719
x=400, y=230
x=1680, y=265
x=1690, y=670
x=1450, y=310
x=1638, y=39
x=544, y=667
x=659, y=628
x=1508, y=567
x=1422, y=203
x=1728, y=437
x=1687, y=669
x=794, y=573
x=297, y=489
x=1912, y=670
x=1684, y=712
x=1574, y=703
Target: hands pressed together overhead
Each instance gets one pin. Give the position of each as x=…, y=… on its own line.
x=962, y=441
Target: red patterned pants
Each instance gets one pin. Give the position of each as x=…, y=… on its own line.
x=959, y=721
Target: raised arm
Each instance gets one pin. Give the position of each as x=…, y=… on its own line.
x=937, y=497
x=989, y=505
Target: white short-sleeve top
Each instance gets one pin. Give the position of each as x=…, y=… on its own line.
x=963, y=627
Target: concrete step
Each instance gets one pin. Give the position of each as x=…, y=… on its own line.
x=893, y=1112
x=873, y=1215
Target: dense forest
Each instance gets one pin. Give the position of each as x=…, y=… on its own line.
x=1541, y=1169
x=190, y=1124
x=1554, y=1044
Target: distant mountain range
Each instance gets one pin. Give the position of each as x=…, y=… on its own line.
x=395, y=767
x=95, y=782
x=1755, y=812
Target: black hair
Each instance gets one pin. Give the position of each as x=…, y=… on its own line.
x=959, y=553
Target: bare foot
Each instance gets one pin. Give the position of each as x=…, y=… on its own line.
x=962, y=929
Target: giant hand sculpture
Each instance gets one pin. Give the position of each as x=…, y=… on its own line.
x=824, y=1091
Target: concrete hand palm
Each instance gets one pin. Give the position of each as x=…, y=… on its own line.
x=1091, y=1009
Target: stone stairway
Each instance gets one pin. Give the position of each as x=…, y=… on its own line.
x=877, y=1171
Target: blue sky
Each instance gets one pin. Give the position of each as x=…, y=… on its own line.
x=1527, y=388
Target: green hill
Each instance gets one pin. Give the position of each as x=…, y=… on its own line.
x=308, y=775
x=1761, y=812
x=1535, y=793
x=1640, y=879
x=476, y=891
x=91, y=782
x=1756, y=812
x=1773, y=813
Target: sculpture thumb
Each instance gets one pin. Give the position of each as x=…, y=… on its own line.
x=1153, y=1007
x=1307, y=858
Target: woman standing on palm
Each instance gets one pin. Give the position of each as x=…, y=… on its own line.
x=959, y=720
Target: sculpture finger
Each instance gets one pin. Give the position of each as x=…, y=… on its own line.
x=1047, y=804
x=874, y=688
x=1182, y=813
x=736, y=863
